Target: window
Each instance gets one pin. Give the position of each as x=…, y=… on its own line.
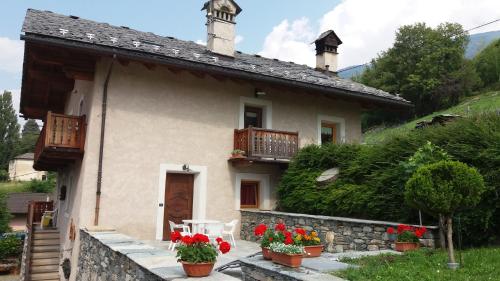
x=253, y=117
x=328, y=133
x=249, y=194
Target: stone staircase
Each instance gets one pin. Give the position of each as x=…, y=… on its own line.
x=45, y=255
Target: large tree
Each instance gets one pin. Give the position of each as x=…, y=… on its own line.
x=425, y=66
x=487, y=64
x=30, y=134
x=9, y=130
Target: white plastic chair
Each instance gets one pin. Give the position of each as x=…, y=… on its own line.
x=229, y=230
x=214, y=230
x=185, y=231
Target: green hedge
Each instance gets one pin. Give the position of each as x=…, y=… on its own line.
x=372, y=178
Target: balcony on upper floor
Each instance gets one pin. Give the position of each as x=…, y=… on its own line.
x=61, y=142
x=265, y=146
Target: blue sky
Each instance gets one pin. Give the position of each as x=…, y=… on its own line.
x=280, y=29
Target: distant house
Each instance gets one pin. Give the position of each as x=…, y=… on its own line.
x=17, y=204
x=21, y=168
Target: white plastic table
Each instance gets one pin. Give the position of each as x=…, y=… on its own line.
x=199, y=224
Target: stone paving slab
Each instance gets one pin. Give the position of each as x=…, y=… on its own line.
x=324, y=265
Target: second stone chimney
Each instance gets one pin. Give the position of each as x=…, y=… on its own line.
x=221, y=26
x=326, y=51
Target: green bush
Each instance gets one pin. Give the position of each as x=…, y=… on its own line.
x=10, y=247
x=373, y=177
x=4, y=175
x=43, y=186
x=4, y=215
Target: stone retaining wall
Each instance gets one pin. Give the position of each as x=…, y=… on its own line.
x=349, y=234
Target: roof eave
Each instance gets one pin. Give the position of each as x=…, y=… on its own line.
x=204, y=67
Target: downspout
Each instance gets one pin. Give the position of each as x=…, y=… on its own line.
x=101, y=143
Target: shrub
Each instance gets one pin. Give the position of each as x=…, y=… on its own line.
x=10, y=247
x=443, y=188
x=4, y=175
x=43, y=186
x=373, y=177
x=4, y=215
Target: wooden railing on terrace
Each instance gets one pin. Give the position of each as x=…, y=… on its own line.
x=61, y=131
x=264, y=143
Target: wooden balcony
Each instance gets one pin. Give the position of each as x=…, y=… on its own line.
x=262, y=145
x=61, y=141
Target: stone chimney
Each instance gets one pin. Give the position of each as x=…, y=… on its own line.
x=326, y=51
x=221, y=26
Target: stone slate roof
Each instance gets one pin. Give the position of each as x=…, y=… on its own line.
x=17, y=203
x=81, y=32
x=26, y=156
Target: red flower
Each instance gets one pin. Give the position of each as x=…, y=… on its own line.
x=403, y=227
x=288, y=240
x=390, y=230
x=287, y=234
x=300, y=231
x=419, y=232
x=175, y=236
x=270, y=239
x=219, y=240
x=200, y=238
x=224, y=247
x=280, y=227
x=260, y=230
x=187, y=240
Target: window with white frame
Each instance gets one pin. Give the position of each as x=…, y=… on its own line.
x=331, y=129
x=255, y=113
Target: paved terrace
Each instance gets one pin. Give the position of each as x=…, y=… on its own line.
x=155, y=258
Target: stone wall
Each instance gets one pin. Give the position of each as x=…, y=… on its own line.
x=98, y=262
x=349, y=234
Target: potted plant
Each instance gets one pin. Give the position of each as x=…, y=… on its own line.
x=197, y=254
x=407, y=237
x=238, y=153
x=287, y=254
x=267, y=237
x=310, y=241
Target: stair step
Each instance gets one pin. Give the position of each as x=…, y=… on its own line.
x=45, y=230
x=45, y=276
x=44, y=268
x=41, y=249
x=46, y=255
x=48, y=235
x=46, y=261
x=46, y=242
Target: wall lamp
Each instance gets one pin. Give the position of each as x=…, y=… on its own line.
x=185, y=168
x=259, y=93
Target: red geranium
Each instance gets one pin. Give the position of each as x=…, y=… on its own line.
x=300, y=231
x=224, y=247
x=390, y=230
x=420, y=232
x=260, y=230
x=187, y=240
x=175, y=236
x=270, y=239
x=200, y=238
x=219, y=240
x=287, y=234
x=280, y=227
x=288, y=240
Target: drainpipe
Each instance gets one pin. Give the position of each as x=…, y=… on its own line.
x=101, y=143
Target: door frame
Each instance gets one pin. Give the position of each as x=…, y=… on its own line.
x=199, y=192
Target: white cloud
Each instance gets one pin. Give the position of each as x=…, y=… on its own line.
x=291, y=42
x=368, y=27
x=11, y=55
x=201, y=42
x=238, y=39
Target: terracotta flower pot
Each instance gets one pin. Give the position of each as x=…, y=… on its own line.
x=287, y=260
x=407, y=246
x=267, y=254
x=313, y=251
x=197, y=269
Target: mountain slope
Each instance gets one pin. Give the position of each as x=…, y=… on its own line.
x=473, y=105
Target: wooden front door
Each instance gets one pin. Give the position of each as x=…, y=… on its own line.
x=178, y=201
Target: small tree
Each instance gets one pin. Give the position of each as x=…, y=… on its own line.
x=443, y=188
x=4, y=215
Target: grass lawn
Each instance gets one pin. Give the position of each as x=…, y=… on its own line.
x=486, y=102
x=11, y=187
x=426, y=265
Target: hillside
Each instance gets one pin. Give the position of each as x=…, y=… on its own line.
x=476, y=104
x=477, y=43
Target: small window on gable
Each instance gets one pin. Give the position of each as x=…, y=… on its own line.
x=249, y=194
x=329, y=133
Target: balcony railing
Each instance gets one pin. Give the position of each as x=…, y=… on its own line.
x=263, y=143
x=61, y=140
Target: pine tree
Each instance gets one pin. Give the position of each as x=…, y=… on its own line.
x=30, y=134
x=9, y=130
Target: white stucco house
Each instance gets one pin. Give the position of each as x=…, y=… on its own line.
x=140, y=127
x=21, y=169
